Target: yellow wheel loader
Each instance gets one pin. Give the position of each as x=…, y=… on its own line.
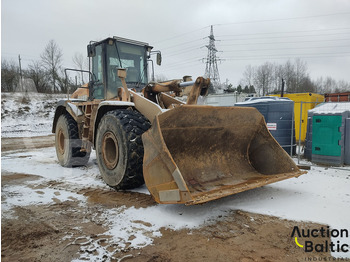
x=185, y=153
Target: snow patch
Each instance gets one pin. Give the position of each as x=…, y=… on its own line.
x=27, y=114
x=322, y=195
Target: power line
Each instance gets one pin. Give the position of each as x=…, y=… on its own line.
x=290, y=36
x=195, y=60
x=286, y=48
x=186, y=65
x=187, y=50
x=289, y=32
x=181, y=35
x=288, y=55
x=282, y=19
x=182, y=62
x=252, y=21
x=191, y=64
x=181, y=44
x=174, y=67
x=289, y=42
x=192, y=48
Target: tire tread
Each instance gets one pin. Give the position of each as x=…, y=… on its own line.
x=134, y=125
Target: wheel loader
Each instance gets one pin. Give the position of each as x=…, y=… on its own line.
x=184, y=152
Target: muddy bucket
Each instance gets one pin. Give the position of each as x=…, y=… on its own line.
x=195, y=154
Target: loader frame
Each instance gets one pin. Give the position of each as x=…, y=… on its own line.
x=88, y=114
x=185, y=153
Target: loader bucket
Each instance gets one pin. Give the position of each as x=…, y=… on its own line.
x=195, y=154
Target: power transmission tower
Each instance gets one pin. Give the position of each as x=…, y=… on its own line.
x=211, y=68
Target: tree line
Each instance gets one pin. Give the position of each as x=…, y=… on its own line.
x=267, y=79
x=44, y=76
x=47, y=76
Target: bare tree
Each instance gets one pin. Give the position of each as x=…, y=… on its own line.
x=307, y=85
x=80, y=63
x=300, y=75
x=330, y=85
x=63, y=83
x=37, y=73
x=289, y=75
x=263, y=78
x=52, y=59
x=267, y=78
x=248, y=76
x=278, y=75
x=319, y=85
x=343, y=86
x=9, y=76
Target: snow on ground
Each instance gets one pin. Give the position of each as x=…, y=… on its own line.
x=27, y=114
x=322, y=195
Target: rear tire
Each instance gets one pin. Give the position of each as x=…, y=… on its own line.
x=119, y=148
x=68, y=144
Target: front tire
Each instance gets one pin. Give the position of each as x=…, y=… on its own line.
x=68, y=144
x=119, y=148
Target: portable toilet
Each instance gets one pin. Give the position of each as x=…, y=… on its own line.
x=328, y=134
x=278, y=114
x=310, y=100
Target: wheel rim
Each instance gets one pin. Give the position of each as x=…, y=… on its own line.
x=61, y=140
x=110, y=150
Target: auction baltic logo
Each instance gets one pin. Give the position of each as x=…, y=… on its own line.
x=324, y=246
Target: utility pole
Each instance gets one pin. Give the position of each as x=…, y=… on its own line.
x=211, y=69
x=20, y=73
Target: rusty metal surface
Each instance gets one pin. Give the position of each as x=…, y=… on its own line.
x=207, y=153
x=167, y=101
x=200, y=87
x=110, y=150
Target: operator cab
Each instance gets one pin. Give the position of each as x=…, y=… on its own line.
x=111, y=54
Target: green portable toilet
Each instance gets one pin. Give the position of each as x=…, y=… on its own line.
x=326, y=135
x=329, y=133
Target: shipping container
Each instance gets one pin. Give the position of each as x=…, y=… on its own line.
x=337, y=97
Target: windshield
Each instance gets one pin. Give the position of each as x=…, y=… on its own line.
x=133, y=59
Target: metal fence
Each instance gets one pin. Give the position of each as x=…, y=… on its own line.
x=301, y=122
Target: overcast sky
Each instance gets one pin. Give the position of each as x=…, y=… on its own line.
x=249, y=32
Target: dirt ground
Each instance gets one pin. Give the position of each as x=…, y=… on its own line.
x=64, y=230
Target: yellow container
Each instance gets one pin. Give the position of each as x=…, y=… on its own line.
x=310, y=100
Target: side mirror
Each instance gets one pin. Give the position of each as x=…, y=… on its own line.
x=159, y=58
x=91, y=50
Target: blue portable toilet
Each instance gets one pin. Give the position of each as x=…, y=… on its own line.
x=279, y=117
